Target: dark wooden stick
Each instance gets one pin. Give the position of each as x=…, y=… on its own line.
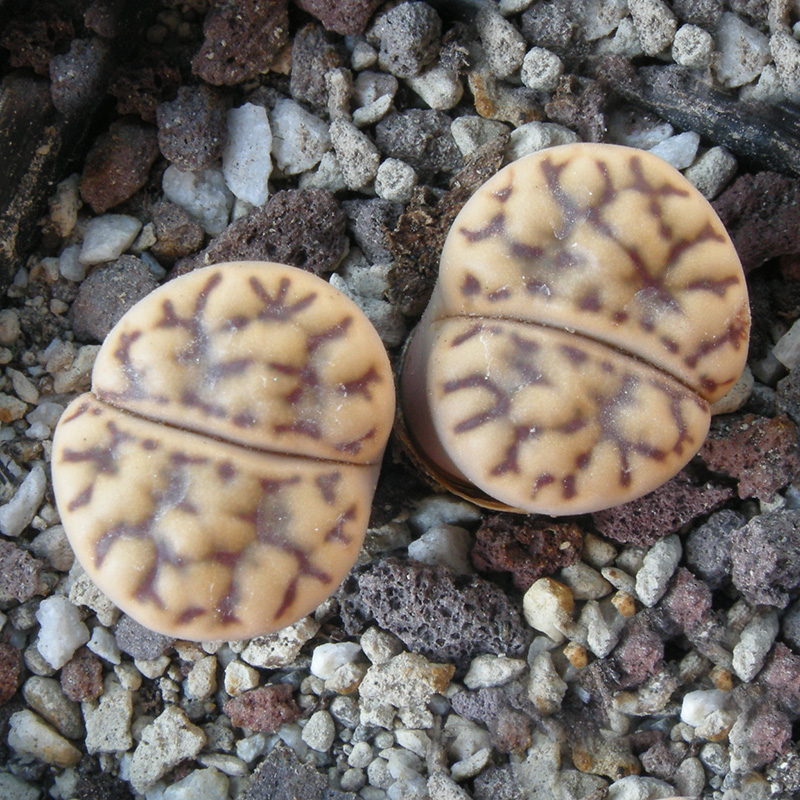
x=766, y=135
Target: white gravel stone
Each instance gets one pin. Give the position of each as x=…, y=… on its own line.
x=246, y=157
x=416, y=741
x=358, y=156
x=470, y=133
x=107, y=237
x=754, y=644
x=327, y=175
x=689, y=778
x=742, y=51
x=45, y=697
x=698, y=705
x=787, y=348
x=282, y=648
x=692, y=47
x=464, y=737
x=319, y=732
x=603, y=626
x=77, y=376
x=655, y=24
x=548, y=606
x=541, y=69
x=201, y=682
x=395, y=180
x=546, y=688
x=17, y=514
x=445, y=545
x=440, y=87
x=472, y=765
x=657, y=569
x=208, y=784
x=712, y=171
x=70, y=265
x=503, y=43
x=441, y=508
x=601, y=17
x=327, y=658
x=29, y=735
x=679, y=150
x=203, y=194
x=225, y=763
x=23, y=388
x=251, y=747
x=639, y=787
x=298, y=137
x=442, y=787
x=785, y=51
x=586, y=583
x=380, y=646
x=104, y=644
x=10, y=328
x=83, y=591
x=14, y=788
x=339, y=85
x=364, y=56
x=535, y=136
x=408, y=680
x=108, y=720
x=62, y=631
x=47, y=413
x=169, y=739
x=361, y=755
x=490, y=670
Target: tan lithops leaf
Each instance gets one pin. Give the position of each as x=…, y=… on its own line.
x=260, y=354
x=552, y=420
x=613, y=243
x=589, y=306
x=191, y=526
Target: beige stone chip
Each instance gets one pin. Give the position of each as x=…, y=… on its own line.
x=546, y=421
x=198, y=538
x=261, y=354
x=613, y=243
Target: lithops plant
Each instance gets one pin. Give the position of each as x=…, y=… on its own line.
x=589, y=307
x=216, y=483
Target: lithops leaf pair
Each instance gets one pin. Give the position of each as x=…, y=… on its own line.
x=589, y=307
x=216, y=483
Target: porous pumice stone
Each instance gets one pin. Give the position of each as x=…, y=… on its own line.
x=216, y=483
x=589, y=307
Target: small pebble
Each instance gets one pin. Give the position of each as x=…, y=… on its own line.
x=201, y=682
x=679, y=150
x=202, y=194
x=548, y=607
x=299, y=138
x=447, y=545
x=327, y=658
x=490, y=670
x=535, y=136
x=698, y=705
x=17, y=514
x=9, y=326
x=755, y=642
x=104, y=645
x=657, y=569
x=440, y=87
x=408, y=38
x=208, y=784
x=546, y=688
x=46, y=698
x=107, y=237
x=742, y=51
x=380, y=646
x=319, y=732
x=246, y=157
x=785, y=52
x=503, y=43
x=541, y=70
x=692, y=47
x=442, y=787
x=470, y=133
x=586, y=583
x=108, y=721
x=655, y=23
x=358, y=156
x=62, y=631
x=282, y=648
x=70, y=265
x=29, y=735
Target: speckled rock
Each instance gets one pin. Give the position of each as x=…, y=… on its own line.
x=20, y=574
x=369, y=222
x=758, y=736
x=313, y=54
x=639, y=653
x=445, y=617
x=82, y=676
x=301, y=227
x=10, y=667
x=766, y=558
x=242, y=40
x=761, y=212
x=282, y=776
x=525, y=548
x=663, y=511
x=708, y=547
x=422, y=139
x=76, y=77
x=781, y=675
x=140, y=642
x=32, y=40
x=347, y=17
x=408, y=38
x=177, y=233
x=761, y=452
x=263, y=709
x=106, y=294
x=685, y=606
x=142, y=84
x=191, y=128
x=118, y=164
x=551, y=24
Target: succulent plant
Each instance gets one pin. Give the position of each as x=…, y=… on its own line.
x=589, y=307
x=216, y=483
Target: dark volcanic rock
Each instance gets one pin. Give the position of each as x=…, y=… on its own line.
x=118, y=164
x=663, y=511
x=766, y=558
x=192, y=128
x=263, y=709
x=313, y=54
x=141, y=85
x=82, y=676
x=527, y=549
x=433, y=611
x=243, y=38
x=347, y=17
x=178, y=233
x=36, y=34
x=107, y=293
x=708, y=548
x=640, y=652
x=409, y=38
x=138, y=641
x=20, y=573
x=78, y=78
x=10, y=668
x=282, y=776
x=304, y=228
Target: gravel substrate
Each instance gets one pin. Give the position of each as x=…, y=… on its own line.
x=647, y=651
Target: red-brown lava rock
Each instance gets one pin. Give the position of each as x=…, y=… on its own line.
x=82, y=676
x=348, y=17
x=10, y=667
x=760, y=451
x=527, y=549
x=263, y=709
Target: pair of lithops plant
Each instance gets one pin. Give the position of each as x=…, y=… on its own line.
x=216, y=482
